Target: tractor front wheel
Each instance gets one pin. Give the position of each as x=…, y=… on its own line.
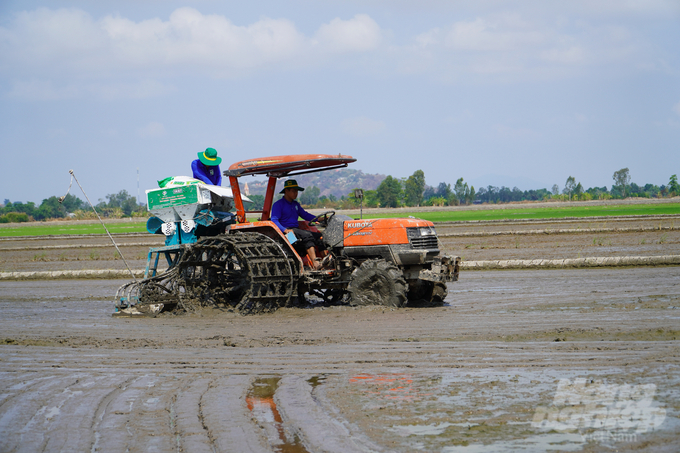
x=377, y=282
x=426, y=293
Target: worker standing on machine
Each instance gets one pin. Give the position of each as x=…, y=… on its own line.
x=207, y=167
x=285, y=213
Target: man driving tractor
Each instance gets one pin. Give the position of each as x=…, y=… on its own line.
x=285, y=213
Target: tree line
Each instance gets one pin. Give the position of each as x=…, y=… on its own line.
x=413, y=191
x=391, y=193
x=118, y=205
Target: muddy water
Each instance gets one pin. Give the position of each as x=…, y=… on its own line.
x=478, y=374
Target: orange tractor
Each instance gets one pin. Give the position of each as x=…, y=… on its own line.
x=252, y=266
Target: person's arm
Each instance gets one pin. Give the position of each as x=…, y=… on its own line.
x=277, y=210
x=304, y=214
x=197, y=169
x=219, y=176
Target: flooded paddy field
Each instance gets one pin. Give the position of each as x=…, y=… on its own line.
x=559, y=239
x=558, y=360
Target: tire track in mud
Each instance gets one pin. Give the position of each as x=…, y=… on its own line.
x=101, y=409
x=399, y=353
x=31, y=417
x=228, y=419
x=192, y=433
x=136, y=418
x=173, y=408
x=70, y=427
x=319, y=431
x=14, y=389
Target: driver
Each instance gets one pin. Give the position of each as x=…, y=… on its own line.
x=285, y=213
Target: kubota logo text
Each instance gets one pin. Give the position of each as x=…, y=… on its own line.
x=358, y=224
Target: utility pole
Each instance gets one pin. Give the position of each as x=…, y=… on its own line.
x=359, y=193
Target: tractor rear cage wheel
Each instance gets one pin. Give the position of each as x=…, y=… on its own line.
x=263, y=272
x=246, y=271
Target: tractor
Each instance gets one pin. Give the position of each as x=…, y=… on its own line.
x=225, y=260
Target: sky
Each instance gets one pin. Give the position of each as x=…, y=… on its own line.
x=517, y=92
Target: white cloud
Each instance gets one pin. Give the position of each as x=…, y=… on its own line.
x=41, y=90
x=528, y=44
x=152, y=130
x=568, y=56
x=507, y=33
x=630, y=7
x=47, y=90
x=70, y=42
x=189, y=37
x=361, y=33
x=429, y=38
x=676, y=108
x=135, y=90
x=362, y=126
x=66, y=53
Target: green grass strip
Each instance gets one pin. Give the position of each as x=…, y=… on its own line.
x=536, y=213
x=58, y=228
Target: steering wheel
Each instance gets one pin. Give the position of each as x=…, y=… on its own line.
x=323, y=219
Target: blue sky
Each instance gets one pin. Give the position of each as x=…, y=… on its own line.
x=521, y=93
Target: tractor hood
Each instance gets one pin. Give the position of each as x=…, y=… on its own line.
x=385, y=231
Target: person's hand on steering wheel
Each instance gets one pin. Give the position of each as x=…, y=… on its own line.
x=323, y=218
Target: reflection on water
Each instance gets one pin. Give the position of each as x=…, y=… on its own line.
x=532, y=444
x=260, y=401
x=397, y=387
x=464, y=412
x=315, y=381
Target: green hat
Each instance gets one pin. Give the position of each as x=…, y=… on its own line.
x=291, y=184
x=209, y=157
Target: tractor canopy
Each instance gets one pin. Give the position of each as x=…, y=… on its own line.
x=282, y=166
x=276, y=167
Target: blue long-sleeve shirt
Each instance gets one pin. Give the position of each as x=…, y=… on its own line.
x=209, y=175
x=285, y=214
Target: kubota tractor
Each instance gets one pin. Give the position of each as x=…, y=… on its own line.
x=252, y=267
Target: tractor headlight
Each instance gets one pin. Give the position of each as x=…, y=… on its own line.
x=427, y=232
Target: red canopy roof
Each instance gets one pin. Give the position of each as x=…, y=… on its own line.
x=294, y=164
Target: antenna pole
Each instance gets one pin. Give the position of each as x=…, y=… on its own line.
x=102, y=222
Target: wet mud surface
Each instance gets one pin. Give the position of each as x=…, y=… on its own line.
x=478, y=374
x=576, y=244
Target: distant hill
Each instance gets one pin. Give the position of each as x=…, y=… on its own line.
x=337, y=182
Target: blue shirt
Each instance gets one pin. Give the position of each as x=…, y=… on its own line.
x=209, y=175
x=285, y=214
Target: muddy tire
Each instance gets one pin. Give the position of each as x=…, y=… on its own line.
x=377, y=282
x=426, y=294
x=439, y=292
